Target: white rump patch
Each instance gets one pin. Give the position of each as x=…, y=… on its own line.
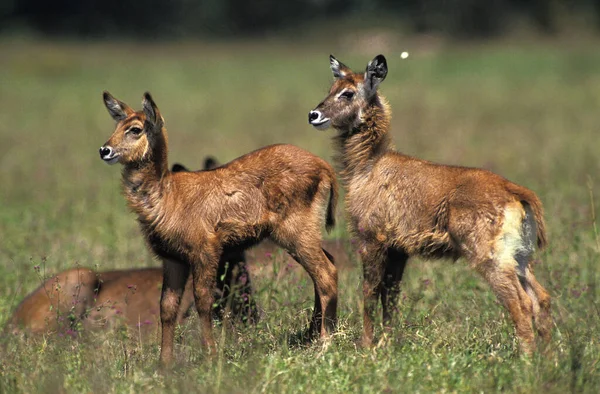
x=511, y=248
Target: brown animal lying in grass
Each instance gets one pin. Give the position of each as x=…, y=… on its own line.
x=58, y=304
x=94, y=300
x=131, y=297
x=106, y=299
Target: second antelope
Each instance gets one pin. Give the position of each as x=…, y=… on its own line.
x=189, y=218
x=399, y=206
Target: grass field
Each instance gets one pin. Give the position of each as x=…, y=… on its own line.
x=530, y=113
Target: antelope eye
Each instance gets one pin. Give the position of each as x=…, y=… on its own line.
x=348, y=94
x=135, y=130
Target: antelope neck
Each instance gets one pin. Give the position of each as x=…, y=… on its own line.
x=361, y=146
x=144, y=185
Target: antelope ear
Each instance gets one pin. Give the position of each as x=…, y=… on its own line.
x=339, y=69
x=375, y=74
x=117, y=109
x=151, y=111
x=210, y=163
x=179, y=168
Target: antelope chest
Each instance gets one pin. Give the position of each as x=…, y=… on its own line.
x=167, y=247
x=369, y=216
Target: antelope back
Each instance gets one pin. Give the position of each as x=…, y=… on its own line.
x=59, y=302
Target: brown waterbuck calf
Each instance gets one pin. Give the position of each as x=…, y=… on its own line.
x=189, y=218
x=400, y=206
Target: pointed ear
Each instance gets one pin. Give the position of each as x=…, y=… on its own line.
x=179, y=168
x=151, y=111
x=210, y=163
x=375, y=74
x=117, y=109
x=339, y=69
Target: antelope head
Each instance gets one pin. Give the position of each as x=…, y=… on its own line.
x=349, y=95
x=136, y=132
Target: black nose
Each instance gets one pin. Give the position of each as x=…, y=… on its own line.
x=313, y=115
x=104, y=151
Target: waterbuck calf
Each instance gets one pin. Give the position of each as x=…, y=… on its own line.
x=189, y=218
x=399, y=206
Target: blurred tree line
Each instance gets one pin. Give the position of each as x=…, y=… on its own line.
x=176, y=18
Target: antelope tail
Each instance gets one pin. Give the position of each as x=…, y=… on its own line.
x=530, y=200
x=331, y=207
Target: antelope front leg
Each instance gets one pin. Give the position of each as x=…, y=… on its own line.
x=394, y=269
x=175, y=275
x=372, y=258
x=204, y=273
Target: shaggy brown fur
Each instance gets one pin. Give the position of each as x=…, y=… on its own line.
x=232, y=273
x=190, y=218
x=400, y=206
x=337, y=248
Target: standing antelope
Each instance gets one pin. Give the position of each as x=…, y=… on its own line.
x=190, y=218
x=400, y=206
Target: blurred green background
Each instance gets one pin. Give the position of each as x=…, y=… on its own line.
x=511, y=86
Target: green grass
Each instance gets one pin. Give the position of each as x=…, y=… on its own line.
x=527, y=112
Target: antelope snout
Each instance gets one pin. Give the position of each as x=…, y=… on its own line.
x=108, y=154
x=317, y=119
x=313, y=115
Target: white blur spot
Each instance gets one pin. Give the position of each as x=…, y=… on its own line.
x=404, y=55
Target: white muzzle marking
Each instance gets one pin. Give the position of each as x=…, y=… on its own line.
x=318, y=121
